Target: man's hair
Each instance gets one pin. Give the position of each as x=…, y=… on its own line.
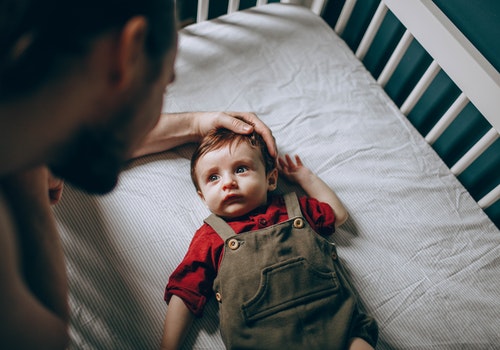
x=39, y=37
x=218, y=138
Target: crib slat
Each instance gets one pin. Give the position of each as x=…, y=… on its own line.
x=447, y=118
x=261, y=2
x=202, y=14
x=480, y=81
x=371, y=31
x=476, y=150
x=490, y=198
x=420, y=88
x=233, y=6
x=395, y=58
x=344, y=16
x=317, y=6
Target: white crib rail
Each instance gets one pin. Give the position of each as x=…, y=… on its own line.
x=233, y=6
x=476, y=150
x=490, y=198
x=422, y=85
x=374, y=26
x=479, y=82
x=395, y=58
x=345, y=14
x=447, y=118
x=202, y=13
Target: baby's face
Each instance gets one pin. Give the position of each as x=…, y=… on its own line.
x=233, y=180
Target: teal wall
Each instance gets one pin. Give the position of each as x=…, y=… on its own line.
x=479, y=20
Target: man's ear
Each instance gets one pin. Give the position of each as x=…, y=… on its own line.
x=272, y=180
x=129, y=51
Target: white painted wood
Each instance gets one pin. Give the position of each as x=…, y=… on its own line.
x=317, y=6
x=202, y=14
x=261, y=2
x=490, y=198
x=447, y=118
x=461, y=61
x=344, y=16
x=476, y=150
x=420, y=88
x=395, y=58
x=371, y=31
x=233, y=6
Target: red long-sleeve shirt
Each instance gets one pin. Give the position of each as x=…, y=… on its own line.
x=192, y=280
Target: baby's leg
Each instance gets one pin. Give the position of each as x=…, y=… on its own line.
x=359, y=344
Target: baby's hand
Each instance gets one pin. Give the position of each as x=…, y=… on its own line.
x=293, y=172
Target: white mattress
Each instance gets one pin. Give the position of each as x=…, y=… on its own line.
x=424, y=257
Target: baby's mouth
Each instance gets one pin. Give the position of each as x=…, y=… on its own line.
x=231, y=197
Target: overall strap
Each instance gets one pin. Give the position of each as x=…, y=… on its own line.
x=220, y=226
x=292, y=205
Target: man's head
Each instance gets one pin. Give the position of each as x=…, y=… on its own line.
x=40, y=39
x=111, y=58
x=233, y=173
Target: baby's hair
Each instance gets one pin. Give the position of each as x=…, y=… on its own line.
x=218, y=138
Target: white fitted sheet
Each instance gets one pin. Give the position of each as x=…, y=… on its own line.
x=423, y=256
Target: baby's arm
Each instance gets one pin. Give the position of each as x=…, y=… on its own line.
x=177, y=323
x=313, y=186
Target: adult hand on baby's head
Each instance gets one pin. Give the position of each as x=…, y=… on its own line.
x=245, y=125
x=175, y=129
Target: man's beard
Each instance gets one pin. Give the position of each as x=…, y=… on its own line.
x=92, y=162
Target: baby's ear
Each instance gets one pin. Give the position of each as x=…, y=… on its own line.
x=272, y=180
x=201, y=196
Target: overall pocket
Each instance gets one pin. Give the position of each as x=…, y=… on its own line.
x=286, y=285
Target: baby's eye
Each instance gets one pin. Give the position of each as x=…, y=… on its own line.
x=213, y=178
x=241, y=169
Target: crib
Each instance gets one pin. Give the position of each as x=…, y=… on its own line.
x=403, y=126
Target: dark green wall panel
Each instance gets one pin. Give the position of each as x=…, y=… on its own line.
x=479, y=20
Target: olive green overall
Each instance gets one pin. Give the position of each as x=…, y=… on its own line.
x=282, y=287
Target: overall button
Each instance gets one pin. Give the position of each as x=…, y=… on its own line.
x=334, y=255
x=298, y=223
x=218, y=297
x=233, y=244
x=262, y=222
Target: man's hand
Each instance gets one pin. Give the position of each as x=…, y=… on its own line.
x=175, y=129
x=210, y=120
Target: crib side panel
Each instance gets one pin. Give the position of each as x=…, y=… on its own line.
x=448, y=106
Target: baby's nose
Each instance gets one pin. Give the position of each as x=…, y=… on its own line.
x=229, y=182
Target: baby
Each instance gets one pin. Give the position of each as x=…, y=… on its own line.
x=278, y=281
